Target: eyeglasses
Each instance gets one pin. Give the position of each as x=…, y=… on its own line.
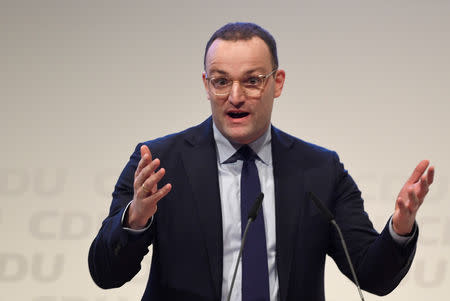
x=251, y=85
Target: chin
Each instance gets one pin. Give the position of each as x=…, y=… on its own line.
x=241, y=139
x=239, y=134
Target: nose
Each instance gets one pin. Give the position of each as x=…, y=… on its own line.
x=236, y=96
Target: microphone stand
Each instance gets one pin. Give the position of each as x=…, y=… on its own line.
x=329, y=216
x=251, y=217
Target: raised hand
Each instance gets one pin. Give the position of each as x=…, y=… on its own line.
x=411, y=197
x=146, y=192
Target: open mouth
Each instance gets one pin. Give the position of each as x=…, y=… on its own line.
x=236, y=115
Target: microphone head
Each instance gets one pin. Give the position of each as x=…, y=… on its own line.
x=253, y=213
x=322, y=208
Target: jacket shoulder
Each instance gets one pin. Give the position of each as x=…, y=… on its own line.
x=173, y=142
x=309, y=152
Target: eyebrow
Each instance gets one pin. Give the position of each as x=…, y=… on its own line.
x=221, y=72
x=217, y=71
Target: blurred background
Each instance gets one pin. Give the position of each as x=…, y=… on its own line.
x=82, y=82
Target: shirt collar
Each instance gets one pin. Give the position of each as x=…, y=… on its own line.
x=261, y=146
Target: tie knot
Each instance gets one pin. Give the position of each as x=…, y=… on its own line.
x=245, y=153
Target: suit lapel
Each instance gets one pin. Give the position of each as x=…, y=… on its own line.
x=289, y=193
x=200, y=161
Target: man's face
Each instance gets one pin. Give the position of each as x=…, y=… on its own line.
x=240, y=118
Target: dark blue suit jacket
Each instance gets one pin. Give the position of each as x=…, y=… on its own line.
x=186, y=233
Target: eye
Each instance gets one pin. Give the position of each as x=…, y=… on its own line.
x=220, y=82
x=253, y=81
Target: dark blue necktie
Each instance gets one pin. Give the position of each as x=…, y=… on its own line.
x=255, y=275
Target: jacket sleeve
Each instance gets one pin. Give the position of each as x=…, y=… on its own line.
x=380, y=262
x=115, y=254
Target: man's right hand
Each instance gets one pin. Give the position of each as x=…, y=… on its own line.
x=146, y=192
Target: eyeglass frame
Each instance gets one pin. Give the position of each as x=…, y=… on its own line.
x=261, y=76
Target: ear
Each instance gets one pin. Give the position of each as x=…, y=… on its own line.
x=279, y=82
x=205, y=84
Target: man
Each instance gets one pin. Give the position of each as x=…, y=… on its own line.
x=190, y=209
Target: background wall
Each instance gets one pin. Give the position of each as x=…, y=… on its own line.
x=82, y=82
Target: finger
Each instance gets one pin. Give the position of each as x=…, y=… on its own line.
x=151, y=183
x=430, y=174
x=423, y=187
x=146, y=172
x=154, y=179
x=146, y=157
x=142, y=163
x=159, y=194
x=145, y=150
x=152, y=201
x=418, y=171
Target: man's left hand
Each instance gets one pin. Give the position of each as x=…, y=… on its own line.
x=411, y=197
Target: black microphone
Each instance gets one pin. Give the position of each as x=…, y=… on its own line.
x=330, y=218
x=252, y=214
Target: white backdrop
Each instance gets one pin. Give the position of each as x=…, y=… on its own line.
x=82, y=82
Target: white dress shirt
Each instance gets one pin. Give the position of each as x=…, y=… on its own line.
x=230, y=196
